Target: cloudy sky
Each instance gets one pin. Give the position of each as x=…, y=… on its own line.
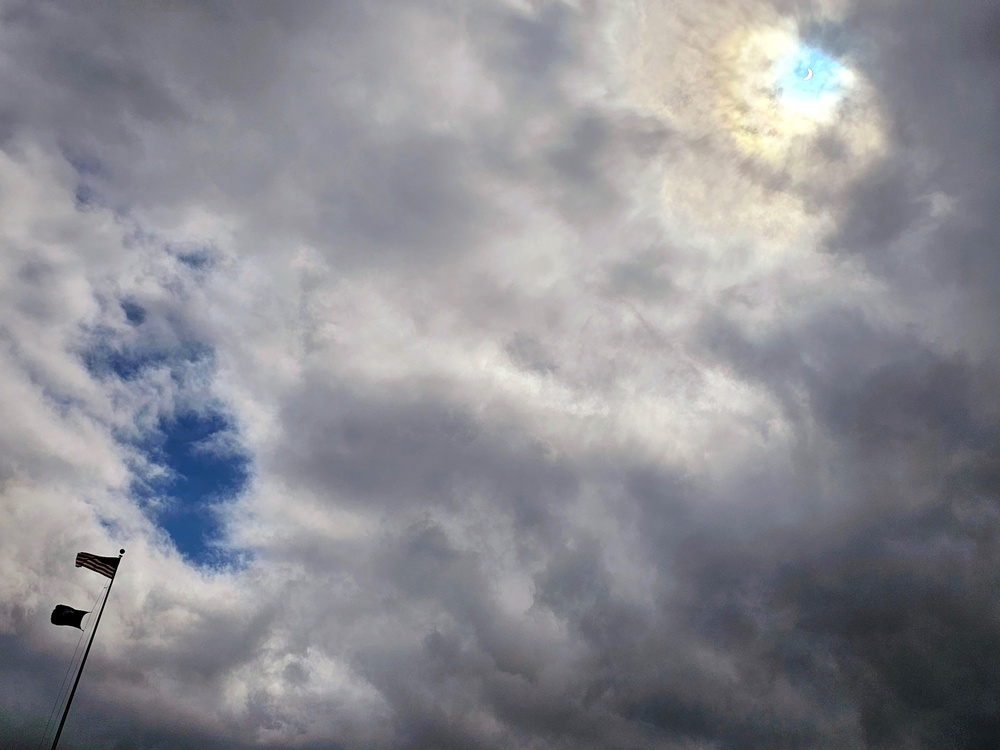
x=502, y=373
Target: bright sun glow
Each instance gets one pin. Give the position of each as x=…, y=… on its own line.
x=820, y=94
x=764, y=100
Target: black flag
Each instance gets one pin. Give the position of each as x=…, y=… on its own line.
x=63, y=615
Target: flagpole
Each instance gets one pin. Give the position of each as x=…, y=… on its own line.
x=83, y=661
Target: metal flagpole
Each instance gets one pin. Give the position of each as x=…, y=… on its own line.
x=83, y=662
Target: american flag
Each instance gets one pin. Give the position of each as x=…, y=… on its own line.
x=106, y=566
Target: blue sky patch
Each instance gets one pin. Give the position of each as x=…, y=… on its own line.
x=195, y=257
x=134, y=313
x=204, y=467
x=192, y=460
x=90, y=174
x=129, y=362
x=791, y=71
x=85, y=195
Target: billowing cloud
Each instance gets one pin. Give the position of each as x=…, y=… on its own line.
x=501, y=374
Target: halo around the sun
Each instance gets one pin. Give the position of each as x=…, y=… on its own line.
x=770, y=152
x=761, y=97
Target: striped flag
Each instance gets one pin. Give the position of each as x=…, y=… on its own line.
x=106, y=566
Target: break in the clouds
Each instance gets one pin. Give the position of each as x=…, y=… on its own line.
x=502, y=374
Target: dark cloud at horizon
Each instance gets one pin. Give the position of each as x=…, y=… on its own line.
x=529, y=409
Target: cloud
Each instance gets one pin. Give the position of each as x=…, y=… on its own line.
x=586, y=390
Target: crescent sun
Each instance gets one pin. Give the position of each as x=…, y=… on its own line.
x=809, y=74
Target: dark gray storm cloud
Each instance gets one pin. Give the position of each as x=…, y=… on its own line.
x=582, y=408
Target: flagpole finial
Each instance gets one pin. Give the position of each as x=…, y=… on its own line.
x=121, y=552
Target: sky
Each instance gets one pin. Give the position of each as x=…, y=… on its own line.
x=502, y=373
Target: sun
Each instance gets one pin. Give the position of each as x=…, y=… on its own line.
x=762, y=97
x=767, y=154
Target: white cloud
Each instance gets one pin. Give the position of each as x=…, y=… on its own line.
x=575, y=410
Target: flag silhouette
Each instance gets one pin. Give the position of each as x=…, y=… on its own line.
x=106, y=566
x=63, y=615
